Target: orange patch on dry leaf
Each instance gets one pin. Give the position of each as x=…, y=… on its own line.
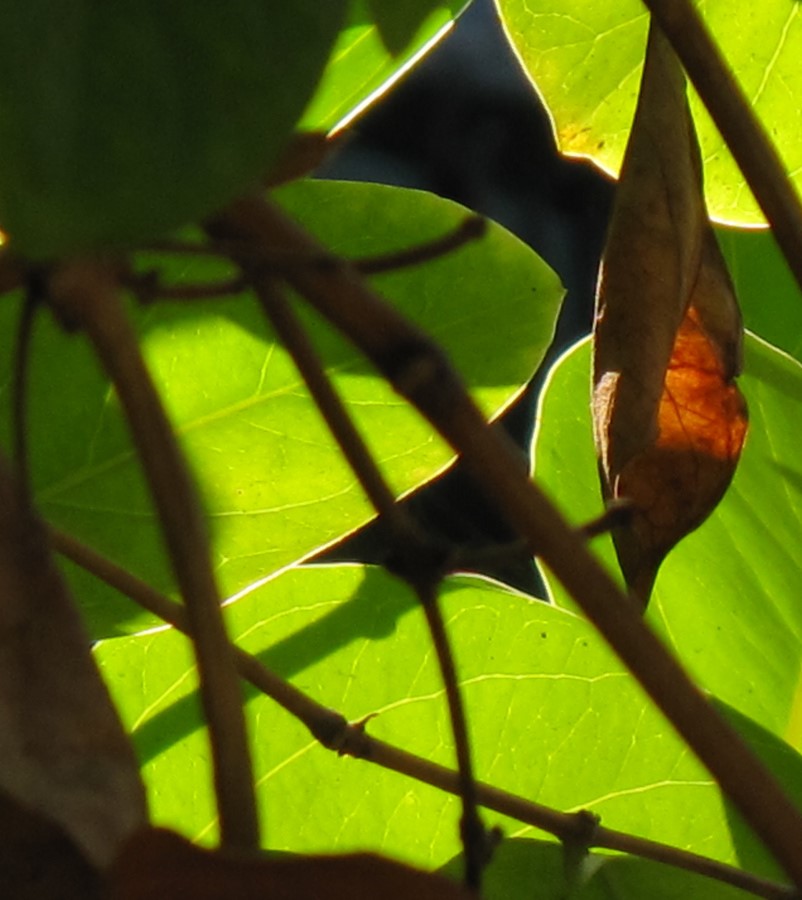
x=676, y=482
x=700, y=410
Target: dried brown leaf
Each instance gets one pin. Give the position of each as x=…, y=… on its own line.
x=63, y=752
x=159, y=863
x=669, y=421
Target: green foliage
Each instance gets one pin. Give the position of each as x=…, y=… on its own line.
x=586, y=58
x=741, y=640
x=770, y=298
x=544, y=693
x=275, y=485
x=380, y=38
x=523, y=869
x=105, y=138
x=554, y=715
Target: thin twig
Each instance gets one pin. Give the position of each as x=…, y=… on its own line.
x=87, y=294
x=746, y=139
x=470, y=229
x=148, y=288
x=474, y=837
x=419, y=370
x=335, y=733
x=295, y=339
x=417, y=561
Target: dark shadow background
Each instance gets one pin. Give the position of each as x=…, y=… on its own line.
x=467, y=125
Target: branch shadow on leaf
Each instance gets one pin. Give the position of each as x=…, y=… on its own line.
x=372, y=612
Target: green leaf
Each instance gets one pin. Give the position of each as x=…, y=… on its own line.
x=119, y=122
x=553, y=717
x=727, y=597
x=780, y=759
x=586, y=57
x=397, y=23
x=769, y=295
x=362, y=68
x=275, y=485
x=535, y=870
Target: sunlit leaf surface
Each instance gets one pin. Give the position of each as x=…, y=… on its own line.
x=361, y=65
x=769, y=296
x=727, y=597
x=274, y=483
x=553, y=716
x=585, y=58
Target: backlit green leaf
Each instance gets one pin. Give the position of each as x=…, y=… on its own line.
x=769, y=296
x=727, y=597
x=361, y=67
x=585, y=58
x=275, y=485
x=553, y=717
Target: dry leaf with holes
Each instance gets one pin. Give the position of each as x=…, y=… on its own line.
x=669, y=420
x=64, y=756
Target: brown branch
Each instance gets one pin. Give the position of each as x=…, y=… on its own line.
x=742, y=131
x=416, y=560
x=334, y=732
x=304, y=153
x=147, y=288
x=418, y=370
x=474, y=838
x=352, y=445
x=86, y=294
x=470, y=229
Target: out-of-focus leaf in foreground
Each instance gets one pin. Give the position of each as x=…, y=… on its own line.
x=63, y=753
x=669, y=421
x=118, y=123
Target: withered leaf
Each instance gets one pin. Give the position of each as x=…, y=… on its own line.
x=160, y=863
x=63, y=753
x=669, y=421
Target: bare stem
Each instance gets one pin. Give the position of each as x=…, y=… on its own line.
x=415, y=560
x=334, y=732
x=474, y=838
x=730, y=109
x=351, y=442
x=470, y=229
x=149, y=289
x=86, y=294
x=418, y=370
